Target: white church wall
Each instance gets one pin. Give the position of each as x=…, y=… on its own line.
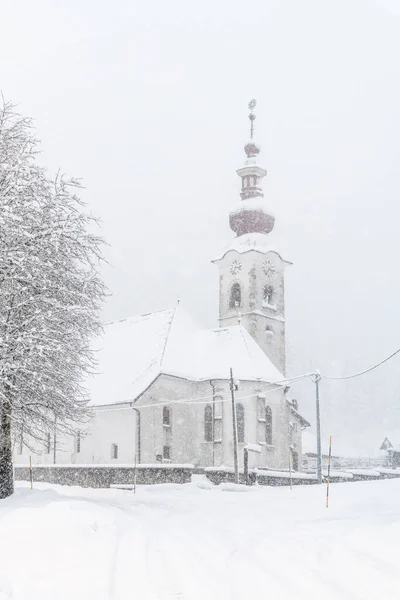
x=111, y=438
x=108, y=426
x=186, y=435
x=272, y=455
x=44, y=453
x=181, y=436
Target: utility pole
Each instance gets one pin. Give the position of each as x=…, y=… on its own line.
x=235, y=436
x=138, y=435
x=317, y=379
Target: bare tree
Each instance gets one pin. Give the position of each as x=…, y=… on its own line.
x=50, y=295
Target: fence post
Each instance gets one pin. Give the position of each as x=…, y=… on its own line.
x=134, y=478
x=329, y=471
x=246, y=466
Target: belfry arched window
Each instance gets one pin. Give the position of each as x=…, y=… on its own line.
x=240, y=422
x=268, y=426
x=235, y=298
x=268, y=294
x=208, y=423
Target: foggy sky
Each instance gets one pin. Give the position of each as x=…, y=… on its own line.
x=147, y=102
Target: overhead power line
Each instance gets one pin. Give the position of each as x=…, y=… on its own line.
x=365, y=370
x=209, y=397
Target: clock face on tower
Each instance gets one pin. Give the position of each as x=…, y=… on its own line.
x=268, y=268
x=235, y=267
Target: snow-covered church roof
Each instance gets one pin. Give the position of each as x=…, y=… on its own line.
x=133, y=352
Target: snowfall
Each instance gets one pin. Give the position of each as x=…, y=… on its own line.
x=199, y=541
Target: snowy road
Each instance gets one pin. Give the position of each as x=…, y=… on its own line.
x=200, y=542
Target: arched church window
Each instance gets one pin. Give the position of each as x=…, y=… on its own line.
x=240, y=422
x=235, y=299
x=166, y=415
x=268, y=425
x=268, y=294
x=208, y=423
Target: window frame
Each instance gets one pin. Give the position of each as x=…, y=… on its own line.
x=166, y=416
x=268, y=426
x=268, y=294
x=240, y=423
x=233, y=303
x=208, y=422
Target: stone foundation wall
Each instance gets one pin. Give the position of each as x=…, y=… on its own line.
x=103, y=476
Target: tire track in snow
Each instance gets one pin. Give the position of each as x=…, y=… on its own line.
x=163, y=578
x=142, y=563
x=114, y=559
x=289, y=569
x=187, y=572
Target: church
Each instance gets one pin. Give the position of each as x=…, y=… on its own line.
x=165, y=384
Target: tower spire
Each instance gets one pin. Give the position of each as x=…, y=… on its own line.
x=251, y=215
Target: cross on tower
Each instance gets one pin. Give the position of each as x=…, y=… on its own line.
x=252, y=116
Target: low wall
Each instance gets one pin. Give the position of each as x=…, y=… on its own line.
x=265, y=477
x=217, y=476
x=271, y=477
x=102, y=476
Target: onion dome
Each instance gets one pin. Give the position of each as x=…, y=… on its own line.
x=251, y=149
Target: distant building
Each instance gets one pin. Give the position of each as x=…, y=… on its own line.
x=394, y=457
x=309, y=462
x=164, y=390
x=386, y=444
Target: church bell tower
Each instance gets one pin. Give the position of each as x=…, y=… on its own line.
x=251, y=268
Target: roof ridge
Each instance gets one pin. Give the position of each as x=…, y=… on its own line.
x=167, y=337
x=241, y=329
x=153, y=312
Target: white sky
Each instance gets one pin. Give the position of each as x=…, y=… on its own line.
x=147, y=102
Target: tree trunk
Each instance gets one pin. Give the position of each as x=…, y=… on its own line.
x=6, y=465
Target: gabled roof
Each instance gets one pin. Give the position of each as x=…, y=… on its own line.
x=133, y=352
x=129, y=355
x=215, y=351
x=386, y=444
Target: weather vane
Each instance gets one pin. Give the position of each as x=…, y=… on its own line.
x=252, y=116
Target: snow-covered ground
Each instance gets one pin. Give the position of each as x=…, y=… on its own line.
x=201, y=542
